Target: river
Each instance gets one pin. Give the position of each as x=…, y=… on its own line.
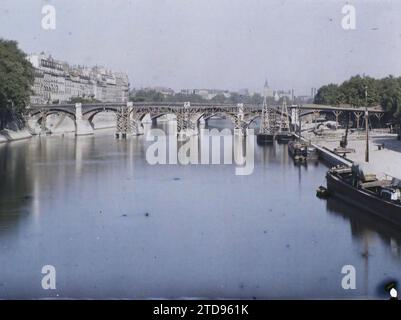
x=114, y=226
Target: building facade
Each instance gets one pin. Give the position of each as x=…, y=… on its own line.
x=58, y=82
x=278, y=94
x=267, y=91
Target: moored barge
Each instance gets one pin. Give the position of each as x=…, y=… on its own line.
x=301, y=152
x=284, y=136
x=379, y=197
x=264, y=138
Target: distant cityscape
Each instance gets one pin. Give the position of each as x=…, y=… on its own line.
x=210, y=94
x=57, y=81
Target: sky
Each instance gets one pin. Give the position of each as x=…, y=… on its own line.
x=222, y=44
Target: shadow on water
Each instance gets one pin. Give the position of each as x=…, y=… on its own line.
x=364, y=228
x=362, y=223
x=15, y=185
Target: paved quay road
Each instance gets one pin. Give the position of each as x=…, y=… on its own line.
x=383, y=161
x=114, y=226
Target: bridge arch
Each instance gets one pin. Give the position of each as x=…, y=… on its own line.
x=90, y=115
x=252, y=120
x=53, y=111
x=253, y=117
x=155, y=116
x=39, y=116
x=207, y=116
x=309, y=112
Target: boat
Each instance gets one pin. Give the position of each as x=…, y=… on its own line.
x=264, y=138
x=322, y=192
x=302, y=152
x=312, y=153
x=378, y=197
x=298, y=151
x=284, y=136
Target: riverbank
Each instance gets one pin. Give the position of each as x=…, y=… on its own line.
x=7, y=135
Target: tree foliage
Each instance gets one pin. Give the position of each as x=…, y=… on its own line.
x=179, y=97
x=83, y=100
x=155, y=96
x=147, y=96
x=329, y=94
x=385, y=92
x=16, y=79
x=390, y=95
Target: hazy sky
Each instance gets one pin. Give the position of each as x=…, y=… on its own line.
x=227, y=44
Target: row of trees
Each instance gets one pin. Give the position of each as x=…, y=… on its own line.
x=385, y=92
x=83, y=100
x=16, y=79
x=234, y=98
x=155, y=96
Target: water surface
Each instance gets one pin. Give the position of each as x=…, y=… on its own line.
x=114, y=226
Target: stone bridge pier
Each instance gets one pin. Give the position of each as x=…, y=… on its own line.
x=82, y=126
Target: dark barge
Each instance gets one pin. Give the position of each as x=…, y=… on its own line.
x=379, y=197
x=264, y=138
x=302, y=152
x=284, y=136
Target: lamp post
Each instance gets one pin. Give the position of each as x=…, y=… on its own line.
x=366, y=125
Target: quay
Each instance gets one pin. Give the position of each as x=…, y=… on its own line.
x=384, y=161
x=384, y=151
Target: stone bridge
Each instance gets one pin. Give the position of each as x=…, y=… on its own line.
x=129, y=115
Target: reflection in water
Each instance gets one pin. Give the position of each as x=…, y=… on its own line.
x=208, y=147
x=366, y=228
x=268, y=154
x=115, y=226
x=15, y=193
